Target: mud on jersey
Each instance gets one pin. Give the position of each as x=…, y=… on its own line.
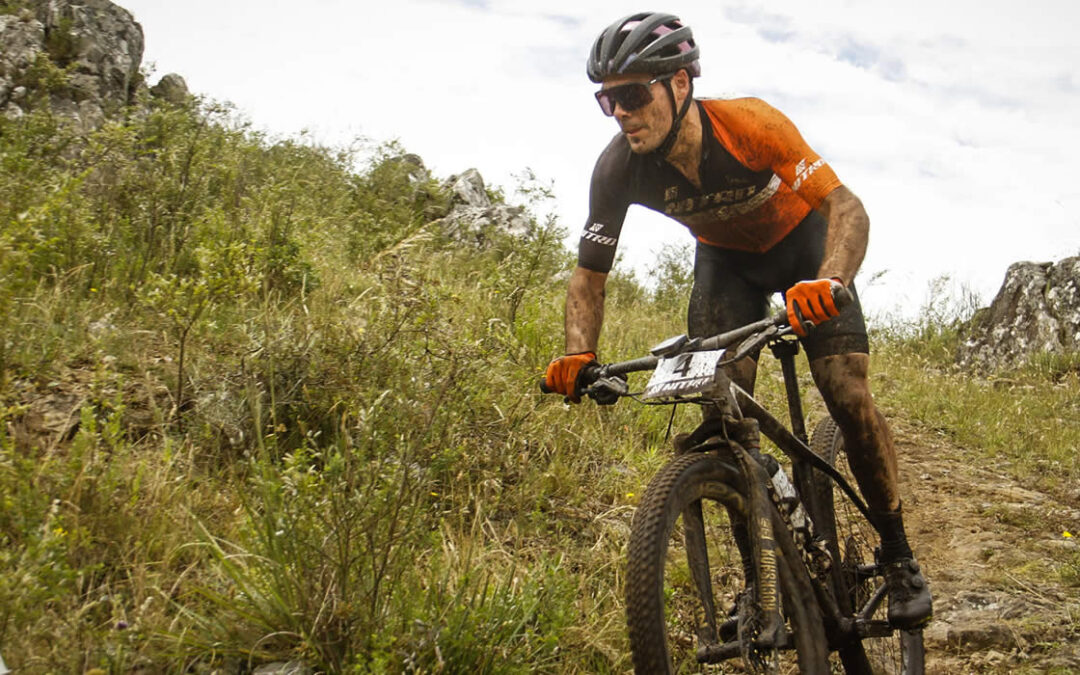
x=758, y=176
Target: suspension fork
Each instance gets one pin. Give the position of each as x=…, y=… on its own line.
x=745, y=444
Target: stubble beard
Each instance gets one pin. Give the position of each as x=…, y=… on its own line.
x=643, y=145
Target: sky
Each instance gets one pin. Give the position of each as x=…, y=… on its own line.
x=954, y=122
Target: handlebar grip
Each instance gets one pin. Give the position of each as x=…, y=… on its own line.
x=589, y=373
x=840, y=295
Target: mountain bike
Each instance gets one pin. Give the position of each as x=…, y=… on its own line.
x=769, y=571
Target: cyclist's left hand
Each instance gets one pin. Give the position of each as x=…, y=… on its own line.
x=814, y=302
x=562, y=374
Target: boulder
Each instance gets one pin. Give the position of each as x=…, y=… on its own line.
x=1036, y=311
x=22, y=38
x=472, y=213
x=171, y=88
x=468, y=189
x=97, y=43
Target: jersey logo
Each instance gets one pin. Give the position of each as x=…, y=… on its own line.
x=726, y=204
x=592, y=233
x=803, y=172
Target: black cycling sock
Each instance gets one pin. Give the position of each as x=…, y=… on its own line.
x=894, y=543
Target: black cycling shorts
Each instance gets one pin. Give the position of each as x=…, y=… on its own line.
x=732, y=288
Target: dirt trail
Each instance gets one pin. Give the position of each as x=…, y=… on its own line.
x=992, y=550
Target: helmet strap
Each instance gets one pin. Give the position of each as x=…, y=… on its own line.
x=669, y=142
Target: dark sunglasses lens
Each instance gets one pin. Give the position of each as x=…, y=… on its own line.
x=634, y=96
x=606, y=104
x=629, y=96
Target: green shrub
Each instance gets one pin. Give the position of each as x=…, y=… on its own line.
x=255, y=404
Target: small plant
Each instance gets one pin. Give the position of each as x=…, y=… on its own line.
x=61, y=43
x=1070, y=570
x=672, y=275
x=183, y=301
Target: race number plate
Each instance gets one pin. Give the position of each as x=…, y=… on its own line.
x=684, y=374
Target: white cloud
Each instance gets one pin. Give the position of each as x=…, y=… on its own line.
x=954, y=122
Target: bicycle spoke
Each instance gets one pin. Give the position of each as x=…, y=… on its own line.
x=697, y=556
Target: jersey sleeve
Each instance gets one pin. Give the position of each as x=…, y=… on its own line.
x=762, y=137
x=607, y=212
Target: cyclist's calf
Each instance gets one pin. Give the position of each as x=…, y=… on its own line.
x=844, y=385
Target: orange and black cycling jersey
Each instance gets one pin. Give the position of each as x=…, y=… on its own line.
x=758, y=177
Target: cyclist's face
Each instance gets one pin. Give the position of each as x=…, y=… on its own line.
x=645, y=127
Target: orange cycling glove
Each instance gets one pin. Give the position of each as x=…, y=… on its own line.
x=562, y=374
x=814, y=302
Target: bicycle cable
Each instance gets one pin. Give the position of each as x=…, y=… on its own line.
x=671, y=420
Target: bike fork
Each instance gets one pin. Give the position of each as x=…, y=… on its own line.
x=760, y=530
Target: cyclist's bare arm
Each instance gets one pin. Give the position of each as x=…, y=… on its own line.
x=584, y=310
x=849, y=230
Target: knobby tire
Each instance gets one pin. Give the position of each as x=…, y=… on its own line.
x=681, y=486
x=852, y=540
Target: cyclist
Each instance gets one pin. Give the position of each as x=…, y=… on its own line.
x=769, y=215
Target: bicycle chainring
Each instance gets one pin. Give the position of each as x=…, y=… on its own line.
x=751, y=625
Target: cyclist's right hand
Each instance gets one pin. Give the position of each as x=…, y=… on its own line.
x=811, y=301
x=562, y=374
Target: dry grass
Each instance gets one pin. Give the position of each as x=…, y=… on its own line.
x=351, y=464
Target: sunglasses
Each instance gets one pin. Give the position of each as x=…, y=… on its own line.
x=629, y=96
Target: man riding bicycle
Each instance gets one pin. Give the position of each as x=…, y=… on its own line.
x=769, y=215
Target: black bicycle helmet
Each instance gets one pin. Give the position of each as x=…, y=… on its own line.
x=653, y=43
x=646, y=42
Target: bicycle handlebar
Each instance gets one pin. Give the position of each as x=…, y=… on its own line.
x=593, y=371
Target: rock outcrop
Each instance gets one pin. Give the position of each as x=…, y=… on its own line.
x=472, y=211
x=171, y=88
x=95, y=49
x=22, y=38
x=1036, y=311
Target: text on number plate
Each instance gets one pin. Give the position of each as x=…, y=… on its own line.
x=683, y=374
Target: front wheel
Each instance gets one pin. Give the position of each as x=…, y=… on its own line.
x=857, y=579
x=687, y=598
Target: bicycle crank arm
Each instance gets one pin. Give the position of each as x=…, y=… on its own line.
x=730, y=650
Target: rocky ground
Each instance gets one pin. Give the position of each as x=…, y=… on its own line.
x=994, y=551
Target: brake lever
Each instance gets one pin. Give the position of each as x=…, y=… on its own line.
x=759, y=340
x=608, y=390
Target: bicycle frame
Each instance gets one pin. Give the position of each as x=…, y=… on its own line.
x=793, y=442
x=735, y=404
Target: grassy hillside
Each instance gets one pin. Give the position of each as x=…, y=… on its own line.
x=258, y=405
